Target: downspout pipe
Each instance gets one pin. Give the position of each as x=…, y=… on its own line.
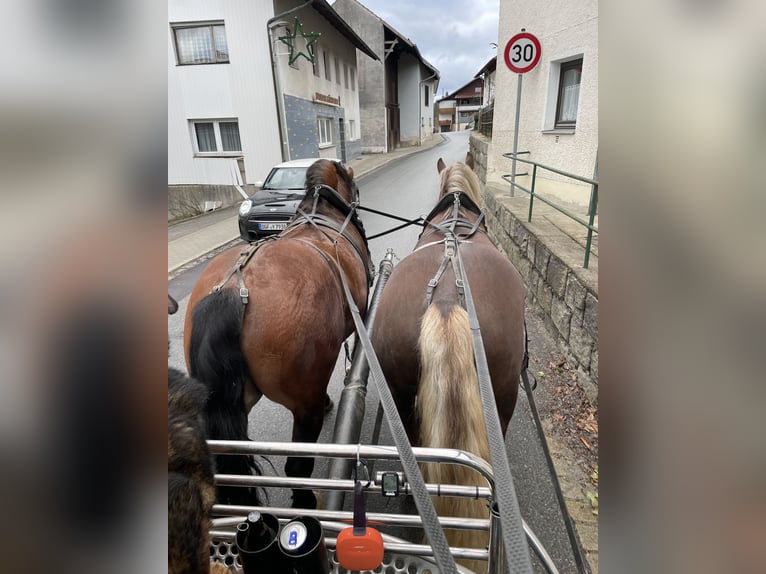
x=271, y=24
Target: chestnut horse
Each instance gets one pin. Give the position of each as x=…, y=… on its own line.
x=270, y=320
x=424, y=344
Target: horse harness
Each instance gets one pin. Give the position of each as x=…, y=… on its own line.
x=318, y=221
x=452, y=239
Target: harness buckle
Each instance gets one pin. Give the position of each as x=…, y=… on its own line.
x=244, y=293
x=433, y=282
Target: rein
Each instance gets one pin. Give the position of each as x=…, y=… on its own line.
x=317, y=220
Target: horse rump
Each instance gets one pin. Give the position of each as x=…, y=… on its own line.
x=216, y=359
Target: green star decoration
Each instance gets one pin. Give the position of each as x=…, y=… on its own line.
x=309, y=38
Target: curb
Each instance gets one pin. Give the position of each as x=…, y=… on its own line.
x=181, y=267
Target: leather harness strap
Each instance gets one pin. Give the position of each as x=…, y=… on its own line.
x=451, y=240
x=318, y=221
x=244, y=257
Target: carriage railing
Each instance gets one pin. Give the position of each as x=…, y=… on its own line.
x=493, y=554
x=592, y=204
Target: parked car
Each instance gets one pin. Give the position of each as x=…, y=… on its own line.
x=268, y=210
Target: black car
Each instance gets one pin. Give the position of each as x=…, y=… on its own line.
x=268, y=211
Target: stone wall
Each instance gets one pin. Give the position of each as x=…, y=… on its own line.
x=480, y=148
x=565, y=294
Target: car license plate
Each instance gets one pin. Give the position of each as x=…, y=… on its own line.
x=272, y=226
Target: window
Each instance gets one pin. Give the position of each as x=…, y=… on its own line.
x=337, y=70
x=426, y=96
x=324, y=130
x=353, y=78
x=315, y=63
x=201, y=44
x=351, y=129
x=217, y=137
x=345, y=75
x=568, y=94
x=326, y=57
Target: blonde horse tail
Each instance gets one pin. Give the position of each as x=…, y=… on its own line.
x=450, y=412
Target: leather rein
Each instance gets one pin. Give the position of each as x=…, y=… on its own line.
x=452, y=239
x=318, y=221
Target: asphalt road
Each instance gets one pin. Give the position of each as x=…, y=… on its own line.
x=408, y=188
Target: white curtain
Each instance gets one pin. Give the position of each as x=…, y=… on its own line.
x=205, y=137
x=195, y=45
x=570, y=95
x=230, y=136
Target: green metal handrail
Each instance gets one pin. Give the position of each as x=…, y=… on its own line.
x=592, y=204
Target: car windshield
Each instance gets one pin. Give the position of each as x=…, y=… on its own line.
x=286, y=178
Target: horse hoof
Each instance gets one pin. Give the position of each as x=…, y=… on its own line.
x=328, y=404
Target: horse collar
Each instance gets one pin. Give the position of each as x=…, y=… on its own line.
x=456, y=199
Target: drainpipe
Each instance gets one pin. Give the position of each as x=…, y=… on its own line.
x=273, y=23
x=420, y=85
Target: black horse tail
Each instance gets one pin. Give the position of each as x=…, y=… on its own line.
x=216, y=359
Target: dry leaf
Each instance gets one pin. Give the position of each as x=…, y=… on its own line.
x=585, y=442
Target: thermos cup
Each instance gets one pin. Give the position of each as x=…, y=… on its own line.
x=302, y=544
x=258, y=545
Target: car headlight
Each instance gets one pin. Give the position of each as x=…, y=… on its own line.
x=244, y=208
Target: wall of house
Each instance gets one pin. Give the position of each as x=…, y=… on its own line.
x=410, y=100
x=370, y=75
x=568, y=30
x=242, y=89
x=302, y=126
x=299, y=82
x=427, y=109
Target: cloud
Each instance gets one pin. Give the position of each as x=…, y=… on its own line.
x=453, y=35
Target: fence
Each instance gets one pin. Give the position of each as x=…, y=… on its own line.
x=592, y=204
x=484, y=120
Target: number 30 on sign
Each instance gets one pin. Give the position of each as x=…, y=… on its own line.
x=522, y=52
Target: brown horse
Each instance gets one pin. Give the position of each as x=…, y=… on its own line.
x=424, y=343
x=270, y=320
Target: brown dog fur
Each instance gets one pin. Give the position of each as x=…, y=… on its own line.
x=191, y=491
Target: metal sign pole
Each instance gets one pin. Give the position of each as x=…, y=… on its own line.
x=516, y=137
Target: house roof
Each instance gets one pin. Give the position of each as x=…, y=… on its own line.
x=340, y=24
x=411, y=47
x=488, y=68
x=406, y=42
x=457, y=93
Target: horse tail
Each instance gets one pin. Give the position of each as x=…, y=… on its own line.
x=217, y=360
x=450, y=413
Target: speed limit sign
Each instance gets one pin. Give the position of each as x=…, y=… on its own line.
x=522, y=52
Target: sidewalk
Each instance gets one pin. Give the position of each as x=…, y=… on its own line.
x=191, y=239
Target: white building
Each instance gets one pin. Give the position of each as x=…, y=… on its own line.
x=234, y=112
x=398, y=91
x=559, y=101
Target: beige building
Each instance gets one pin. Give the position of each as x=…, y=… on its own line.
x=559, y=101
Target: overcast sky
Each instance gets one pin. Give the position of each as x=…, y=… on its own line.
x=452, y=35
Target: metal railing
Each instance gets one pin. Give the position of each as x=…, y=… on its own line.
x=484, y=119
x=592, y=204
x=494, y=554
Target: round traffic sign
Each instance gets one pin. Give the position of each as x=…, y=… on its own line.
x=522, y=52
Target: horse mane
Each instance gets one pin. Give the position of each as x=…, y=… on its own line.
x=326, y=172
x=460, y=178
